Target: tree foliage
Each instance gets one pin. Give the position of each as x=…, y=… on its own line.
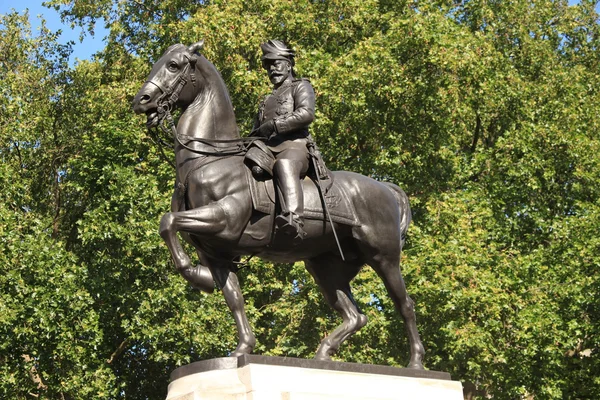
x=485, y=112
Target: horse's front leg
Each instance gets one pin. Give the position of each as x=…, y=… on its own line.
x=203, y=220
x=210, y=219
x=228, y=282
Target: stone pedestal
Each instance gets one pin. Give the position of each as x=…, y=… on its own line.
x=252, y=377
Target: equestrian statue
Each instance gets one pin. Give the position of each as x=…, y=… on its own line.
x=269, y=195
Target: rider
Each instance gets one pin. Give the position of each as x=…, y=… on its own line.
x=283, y=118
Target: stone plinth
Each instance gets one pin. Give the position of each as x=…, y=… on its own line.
x=275, y=378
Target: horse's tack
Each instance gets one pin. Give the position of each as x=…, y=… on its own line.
x=259, y=155
x=217, y=151
x=342, y=212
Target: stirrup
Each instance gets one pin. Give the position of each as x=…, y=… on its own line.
x=290, y=225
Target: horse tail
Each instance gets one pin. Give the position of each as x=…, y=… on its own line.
x=404, y=208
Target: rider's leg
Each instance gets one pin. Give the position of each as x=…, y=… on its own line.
x=291, y=165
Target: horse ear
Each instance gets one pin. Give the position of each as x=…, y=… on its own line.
x=196, y=46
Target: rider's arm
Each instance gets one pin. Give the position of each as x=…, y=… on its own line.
x=304, y=110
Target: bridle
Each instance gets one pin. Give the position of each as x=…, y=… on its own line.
x=166, y=103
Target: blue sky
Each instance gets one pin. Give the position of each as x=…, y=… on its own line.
x=81, y=50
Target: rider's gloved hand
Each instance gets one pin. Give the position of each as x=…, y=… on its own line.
x=267, y=129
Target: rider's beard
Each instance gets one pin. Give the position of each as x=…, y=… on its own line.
x=277, y=79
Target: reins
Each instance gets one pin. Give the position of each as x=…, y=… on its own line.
x=167, y=100
x=241, y=144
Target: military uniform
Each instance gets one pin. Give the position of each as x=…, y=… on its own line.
x=292, y=109
x=284, y=117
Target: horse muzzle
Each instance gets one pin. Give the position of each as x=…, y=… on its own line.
x=145, y=101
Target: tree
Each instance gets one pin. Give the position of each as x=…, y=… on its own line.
x=486, y=113
x=47, y=320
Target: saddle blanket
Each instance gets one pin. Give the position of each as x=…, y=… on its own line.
x=338, y=203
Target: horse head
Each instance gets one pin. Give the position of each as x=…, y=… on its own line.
x=173, y=82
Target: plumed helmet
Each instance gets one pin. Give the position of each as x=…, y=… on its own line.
x=277, y=50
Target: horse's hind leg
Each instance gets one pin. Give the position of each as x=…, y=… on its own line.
x=333, y=277
x=389, y=271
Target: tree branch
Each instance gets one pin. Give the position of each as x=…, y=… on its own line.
x=33, y=374
x=477, y=132
x=122, y=347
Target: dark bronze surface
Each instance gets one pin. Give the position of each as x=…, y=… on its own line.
x=247, y=359
x=212, y=204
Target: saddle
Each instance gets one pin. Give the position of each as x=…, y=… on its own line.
x=264, y=202
x=319, y=180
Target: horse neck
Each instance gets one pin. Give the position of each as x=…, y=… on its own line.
x=210, y=116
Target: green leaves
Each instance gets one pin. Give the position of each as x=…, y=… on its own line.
x=486, y=113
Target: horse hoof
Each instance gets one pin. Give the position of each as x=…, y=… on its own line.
x=322, y=357
x=201, y=278
x=241, y=350
x=415, y=365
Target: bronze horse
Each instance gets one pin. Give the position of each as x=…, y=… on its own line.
x=212, y=207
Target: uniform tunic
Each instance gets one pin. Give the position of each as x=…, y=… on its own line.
x=292, y=107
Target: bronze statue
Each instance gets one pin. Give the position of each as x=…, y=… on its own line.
x=224, y=212
x=283, y=118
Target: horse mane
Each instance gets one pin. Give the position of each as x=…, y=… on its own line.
x=217, y=95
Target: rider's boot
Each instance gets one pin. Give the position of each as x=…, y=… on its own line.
x=290, y=222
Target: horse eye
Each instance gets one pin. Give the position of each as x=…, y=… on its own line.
x=173, y=66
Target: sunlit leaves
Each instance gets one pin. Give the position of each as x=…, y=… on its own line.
x=485, y=112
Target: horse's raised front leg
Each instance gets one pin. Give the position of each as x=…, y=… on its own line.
x=210, y=219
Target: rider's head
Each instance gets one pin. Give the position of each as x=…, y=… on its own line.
x=278, y=61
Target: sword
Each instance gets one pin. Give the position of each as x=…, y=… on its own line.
x=311, y=151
